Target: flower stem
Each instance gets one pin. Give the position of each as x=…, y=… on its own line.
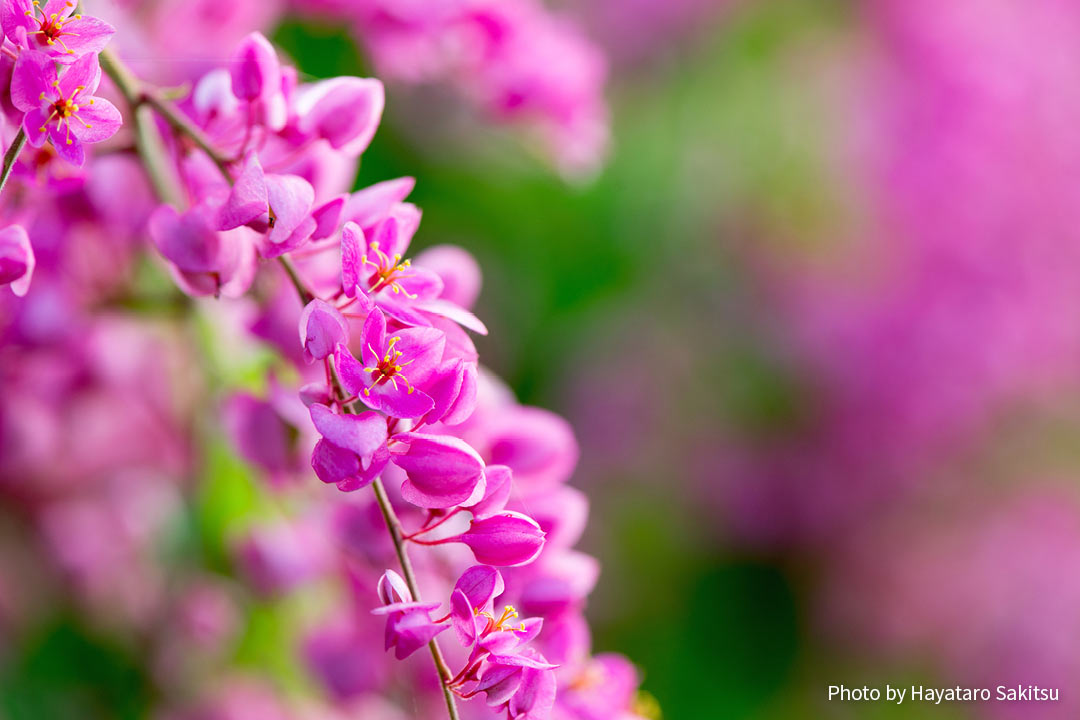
x=147, y=139
x=298, y=283
x=183, y=126
x=11, y=155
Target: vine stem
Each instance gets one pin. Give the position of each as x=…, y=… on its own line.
x=294, y=277
x=148, y=142
x=143, y=103
x=17, y=144
x=183, y=126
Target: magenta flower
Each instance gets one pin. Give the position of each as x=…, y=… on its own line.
x=408, y=624
x=521, y=685
x=204, y=262
x=476, y=625
x=376, y=270
x=322, y=327
x=277, y=206
x=254, y=70
x=480, y=585
x=352, y=451
x=53, y=30
x=506, y=539
x=16, y=259
x=343, y=111
x=392, y=588
x=62, y=108
x=394, y=367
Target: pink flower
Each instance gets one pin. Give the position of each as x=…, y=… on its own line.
x=344, y=111
x=53, y=30
x=62, y=108
x=352, y=451
x=254, y=70
x=375, y=271
x=279, y=207
x=394, y=367
x=506, y=538
x=521, y=685
x=408, y=624
x=204, y=261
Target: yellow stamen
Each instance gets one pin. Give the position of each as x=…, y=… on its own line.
x=508, y=614
x=388, y=272
x=388, y=368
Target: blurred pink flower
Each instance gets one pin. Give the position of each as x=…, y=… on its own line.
x=958, y=300
x=985, y=589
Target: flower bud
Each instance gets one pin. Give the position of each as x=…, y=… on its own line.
x=506, y=539
x=254, y=69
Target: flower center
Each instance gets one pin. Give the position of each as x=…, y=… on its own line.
x=388, y=368
x=63, y=110
x=508, y=614
x=388, y=271
x=51, y=28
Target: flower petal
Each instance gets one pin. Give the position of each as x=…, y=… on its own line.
x=442, y=471
x=352, y=240
x=33, y=75
x=98, y=120
x=481, y=584
x=363, y=434
x=322, y=328
x=80, y=79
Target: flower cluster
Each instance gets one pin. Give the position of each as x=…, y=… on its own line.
x=51, y=56
x=242, y=186
x=394, y=394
